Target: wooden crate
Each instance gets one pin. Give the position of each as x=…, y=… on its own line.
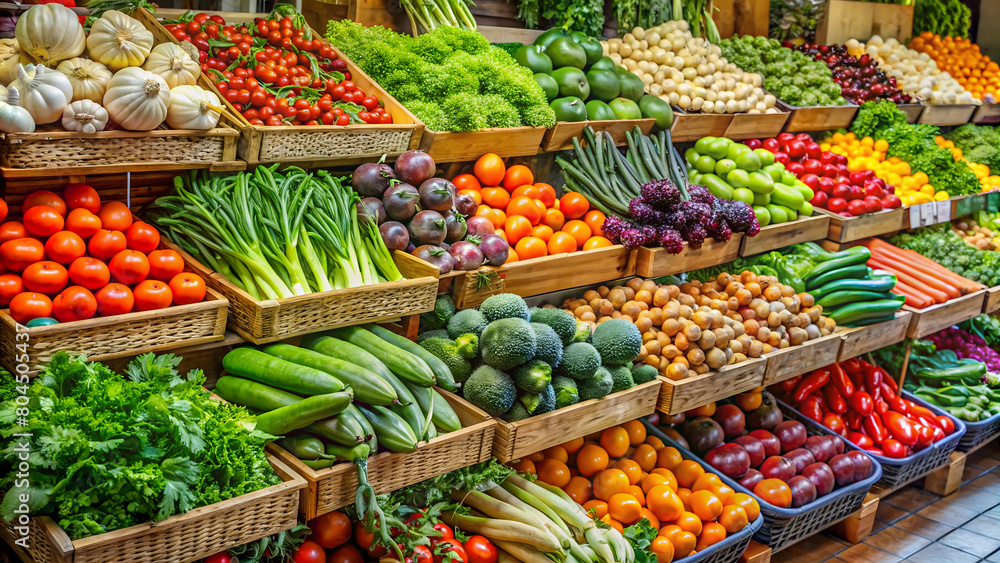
x=317, y=145
x=689, y=127
x=912, y=111
x=276, y=319
x=822, y=118
x=756, y=125
x=695, y=391
x=560, y=137
x=986, y=114
x=656, y=262
x=335, y=487
x=445, y=146
x=943, y=315
x=848, y=229
x=947, y=115
x=514, y=440
x=543, y=275
x=858, y=526
x=788, y=362
x=860, y=20
x=992, y=302
x=741, y=17
x=863, y=339
x=181, y=538
x=780, y=235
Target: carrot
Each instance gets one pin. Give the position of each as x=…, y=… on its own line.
x=914, y=297
x=963, y=282
x=902, y=266
x=906, y=279
x=917, y=260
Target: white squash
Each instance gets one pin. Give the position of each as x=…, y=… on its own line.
x=88, y=78
x=86, y=116
x=137, y=99
x=43, y=92
x=193, y=107
x=10, y=57
x=174, y=64
x=14, y=118
x=119, y=41
x=50, y=33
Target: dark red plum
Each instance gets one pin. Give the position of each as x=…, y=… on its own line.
x=766, y=416
x=401, y=202
x=465, y=205
x=843, y=469
x=372, y=179
x=862, y=465
x=777, y=467
x=415, y=167
x=428, y=227
x=437, y=194
x=437, y=256
x=753, y=447
x=371, y=207
x=731, y=459
x=495, y=249
x=467, y=255
x=772, y=445
x=822, y=478
x=792, y=434
x=803, y=491
x=821, y=448
x=801, y=457
x=703, y=433
x=479, y=226
x=395, y=235
x=751, y=479
x=455, y=225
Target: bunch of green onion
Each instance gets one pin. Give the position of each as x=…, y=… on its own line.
x=274, y=233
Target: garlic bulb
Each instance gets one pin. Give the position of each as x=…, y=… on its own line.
x=14, y=118
x=86, y=116
x=88, y=78
x=193, y=107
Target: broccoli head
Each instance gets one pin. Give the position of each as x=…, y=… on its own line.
x=504, y=306
x=507, y=343
x=618, y=341
x=580, y=361
x=541, y=402
x=550, y=347
x=490, y=389
x=467, y=321
x=598, y=386
x=621, y=378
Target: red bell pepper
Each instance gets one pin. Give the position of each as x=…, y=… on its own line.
x=874, y=428
x=895, y=449
x=947, y=424
x=840, y=379
x=833, y=421
x=811, y=384
x=812, y=408
x=834, y=399
x=860, y=440
x=861, y=403
x=788, y=385
x=900, y=427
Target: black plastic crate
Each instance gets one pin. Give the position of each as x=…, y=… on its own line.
x=978, y=432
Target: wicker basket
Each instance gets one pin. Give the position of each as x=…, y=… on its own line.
x=336, y=487
x=184, y=537
x=317, y=145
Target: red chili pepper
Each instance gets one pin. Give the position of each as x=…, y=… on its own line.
x=833, y=421
x=834, y=399
x=897, y=404
x=881, y=407
x=923, y=415
x=890, y=380
x=812, y=408
x=887, y=391
x=900, y=427
x=947, y=424
x=875, y=451
x=788, y=385
x=939, y=435
x=841, y=380
x=895, y=449
x=860, y=440
x=861, y=403
x=810, y=384
x=853, y=365
x=853, y=420
x=874, y=428
x=873, y=378
x=925, y=435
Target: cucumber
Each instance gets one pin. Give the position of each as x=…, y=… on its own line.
x=873, y=283
x=392, y=431
x=341, y=429
x=318, y=464
x=838, y=298
x=368, y=387
x=787, y=196
x=857, y=312
x=355, y=415
x=432, y=433
x=304, y=446
x=253, y=395
x=857, y=272
x=251, y=363
x=717, y=186
x=443, y=415
x=442, y=373
x=399, y=361
x=423, y=398
x=851, y=257
x=283, y=420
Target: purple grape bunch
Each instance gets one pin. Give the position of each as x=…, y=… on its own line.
x=662, y=216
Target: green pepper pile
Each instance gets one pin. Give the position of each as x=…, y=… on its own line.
x=961, y=386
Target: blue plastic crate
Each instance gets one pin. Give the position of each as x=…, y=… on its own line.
x=975, y=432
x=785, y=526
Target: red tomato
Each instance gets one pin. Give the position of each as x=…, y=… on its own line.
x=330, y=530
x=45, y=277
x=75, y=303
x=142, y=237
x=422, y=554
x=309, y=552
x=455, y=548
x=12, y=230
x=105, y=244
x=3, y=210
x=89, y=272
x=44, y=197
x=43, y=221
x=19, y=253
x=164, y=264
x=480, y=550
x=64, y=247
x=894, y=448
x=83, y=222
x=115, y=216
x=26, y=306
x=220, y=558
x=114, y=299
x=10, y=285
x=346, y=554
x=151, y=294
x=129, y=267
x=82, y=196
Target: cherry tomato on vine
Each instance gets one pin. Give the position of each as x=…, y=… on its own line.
x=330, y=530
x=309, y=552
x=480, y=550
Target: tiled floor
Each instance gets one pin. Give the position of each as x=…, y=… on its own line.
x=915, y=525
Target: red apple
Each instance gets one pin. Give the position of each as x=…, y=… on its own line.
x=801, y=457
x=731, y=419
x=731, y=459
x=803, y=491
x=792, y=434
x=751, y=479
x=822, y=478
x=862, y=465
x=843, y=469
x=771, y=443
x=777, y=467
x=753, y=447
x=820, y=448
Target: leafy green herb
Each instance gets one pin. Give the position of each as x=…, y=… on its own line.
x=943, y=17
x=640, y=535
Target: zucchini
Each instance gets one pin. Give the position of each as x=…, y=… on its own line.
x=368, y=387
x=318, y=464
x=838, y=298
x=423, y=398
x=850, y=257
x=443, y=415
x=304, y=446
x=856, y=271
x=354, y=414
x=857, y=312
x=392, y=431
x=251, y=363
x=442, y=372
x=341, y=429
x=283, y=420
x=253, y=395
x=876, y=283
x=399, y=361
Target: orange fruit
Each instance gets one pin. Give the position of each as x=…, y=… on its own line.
x=655, y=442
x=624, y=508
x=530, y=247
x=573, y=446
x=607, y=519
x=594, y=219
x=733, y=518
x=515, y=228
x=662, y=549
x=632, y=470
x=651, y=480
x=498, y=217
x=524, y=465
x=557, y=452
x=553, y=219
x=537, y=456
x=574, y=205
x=685, y=496
x=684, y=543
x=511, y=256
x=774, y=491
x=543, y=232
x=689, y=522
x=476, y=195
x=615, y=441
x=664, y=503
x=636, y=491
x=687, y=473
x=579, y=231
x=526, y=207
x=553, y=472
x=466, y=182
x=610, y=482
x=707, y=482
x=527, y=190
x=636, y=432
x=579, y=489
x=668, y=531
x=490, y=170
x=594, y=243
x=516, y=176
x=548, y=193
x=599, y=507
x=591, y=460
x=711, y=534
x=497, y=198
x=748, y=504
x=561, y=243
x=669, y=458
x=645, y=456
x=704, y=504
